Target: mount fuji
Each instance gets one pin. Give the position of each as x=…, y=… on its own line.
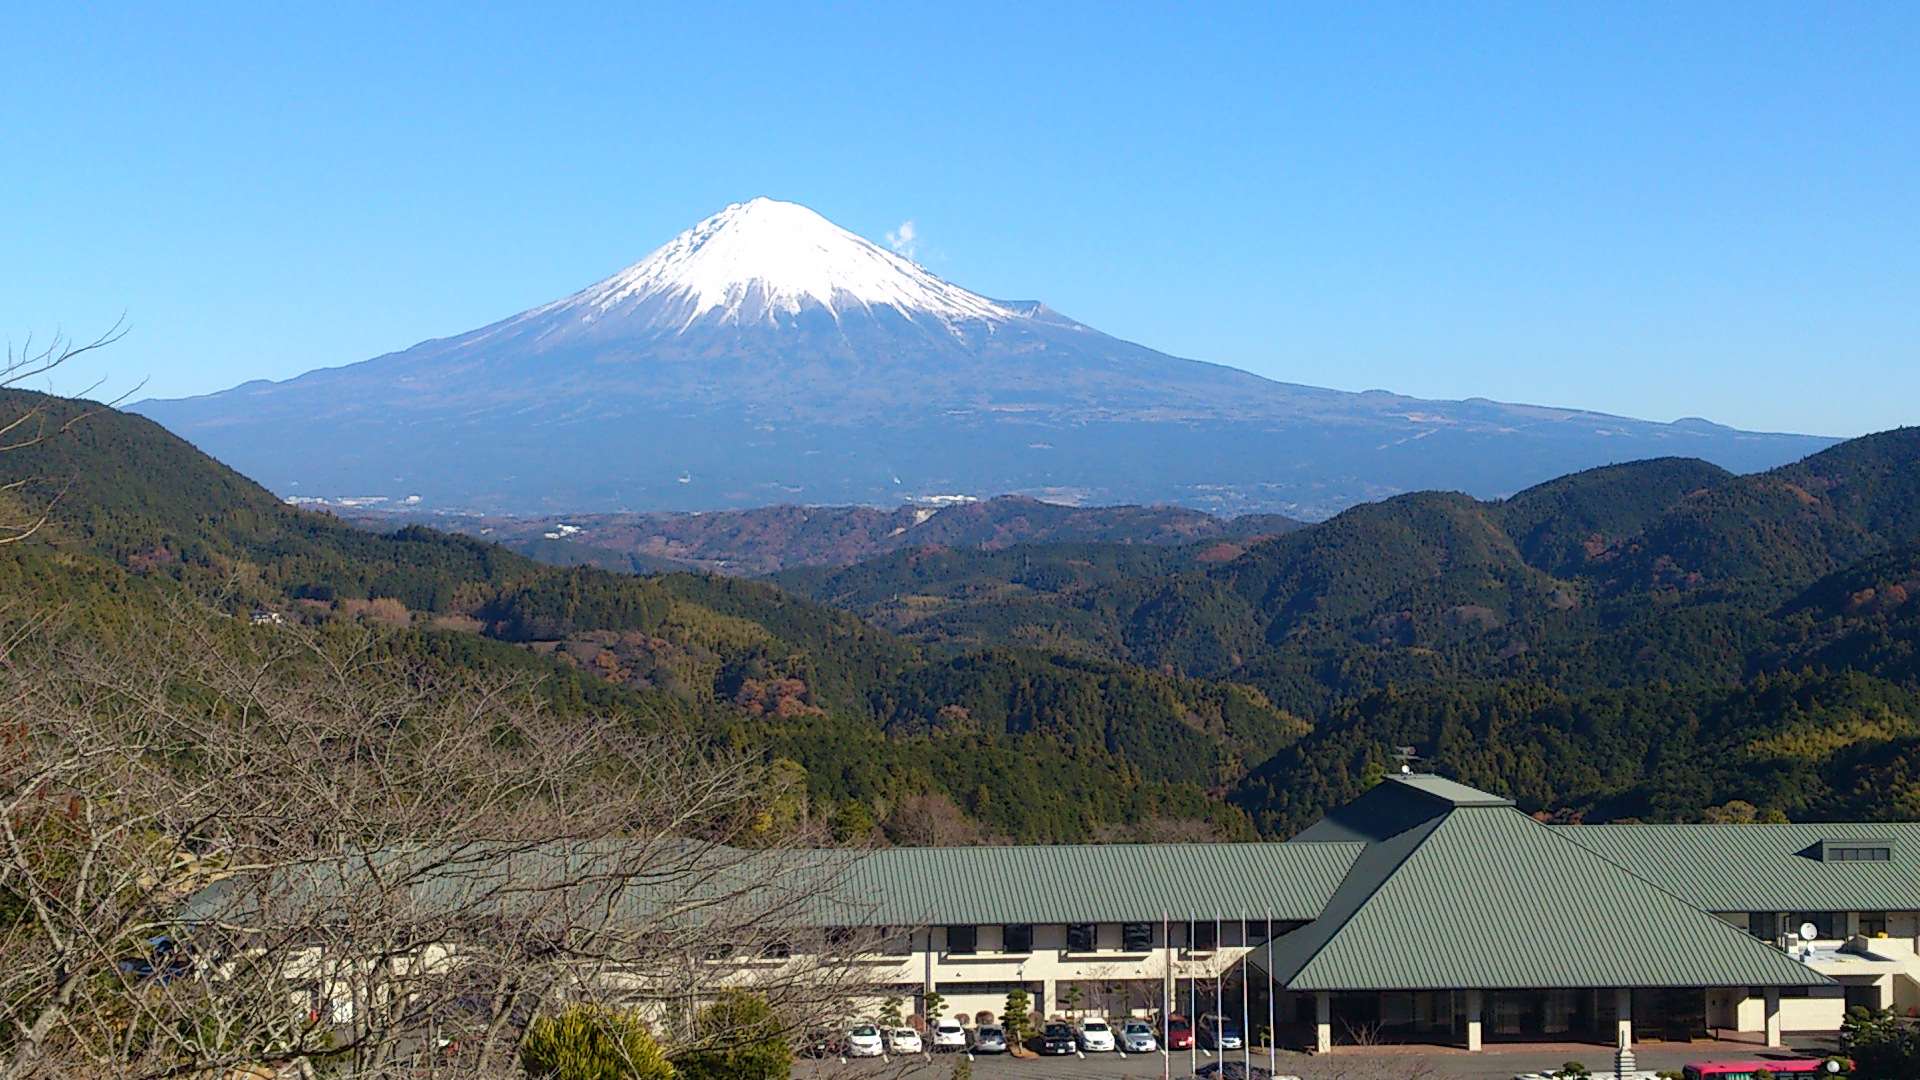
x=768, y=356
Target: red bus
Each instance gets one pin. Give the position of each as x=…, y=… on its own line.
x=1781, y=1068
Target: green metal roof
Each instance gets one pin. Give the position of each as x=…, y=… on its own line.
x=1450, y=792
x=1094, y=883
x=1464, y=893
x=1761, y=867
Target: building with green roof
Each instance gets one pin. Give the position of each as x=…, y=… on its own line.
x=1428, y=910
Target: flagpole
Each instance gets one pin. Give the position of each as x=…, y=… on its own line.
x=1273, y=1030
x=1193, y=1002
x=1166, y=996
x=1246, y=1011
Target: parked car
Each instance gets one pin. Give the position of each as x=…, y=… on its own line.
x=1136, y=1037
x=904, y=1040
x=1095, y=1036
x=1219, y=1033
x=1058, y=1039
x=989, y=1039
x=820, y=1044
x=949, y=1035
x=865, y=1041
x=1179, y=1033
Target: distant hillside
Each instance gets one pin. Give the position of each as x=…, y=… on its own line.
x=767, y=539
x=886, y=737
x=1572, y=645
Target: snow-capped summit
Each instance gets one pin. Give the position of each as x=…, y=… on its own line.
x=767, y=355
x=766, y=261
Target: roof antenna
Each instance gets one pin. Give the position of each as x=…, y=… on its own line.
x=1406, y=756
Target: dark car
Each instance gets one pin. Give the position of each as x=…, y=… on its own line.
x=820, y=1044
x=1179, y=1033
x=1219, y=1033
x=1058, y=1039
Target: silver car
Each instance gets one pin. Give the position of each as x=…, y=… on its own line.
x=1136, y=1037
x=989, y=1039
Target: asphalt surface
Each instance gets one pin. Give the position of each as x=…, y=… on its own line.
x=1394, y=1063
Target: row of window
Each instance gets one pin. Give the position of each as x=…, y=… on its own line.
x=1828, y=925
x=1016, y=939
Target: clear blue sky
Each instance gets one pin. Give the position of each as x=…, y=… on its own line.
x=1659, y=210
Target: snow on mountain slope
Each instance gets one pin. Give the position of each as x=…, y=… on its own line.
x=760, y=260
x=768, y=356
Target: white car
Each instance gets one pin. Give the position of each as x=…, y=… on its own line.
x=865, y=1041
x=949, y=1035
x=904, y=1040
x=1094, y=1036
x=1136, y=1037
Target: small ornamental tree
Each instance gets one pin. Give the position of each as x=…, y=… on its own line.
x=740, y=1038
x=1882, y=1045
x=1017, y=1017
x=587, y=1043
x=890, y=1012
x=931, y=1003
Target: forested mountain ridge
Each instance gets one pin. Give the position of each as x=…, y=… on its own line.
x=1659, y=639
x=887, y=739
x=1647, y=639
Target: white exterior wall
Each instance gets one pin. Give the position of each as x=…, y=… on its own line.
x=1046, y=970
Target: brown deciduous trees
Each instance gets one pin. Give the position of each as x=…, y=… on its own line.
x=232, y=848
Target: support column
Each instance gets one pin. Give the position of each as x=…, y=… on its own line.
x=1474, y=1001
x=1047, y=988
x=1773, y=1017
x=1623, y=1063
x=1322, y=1022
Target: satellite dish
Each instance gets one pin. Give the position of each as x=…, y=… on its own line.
x=1808, y=931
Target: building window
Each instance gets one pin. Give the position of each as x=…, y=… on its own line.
x=1136, y=936
x=1764, y=925
x=1016, y=938
x=1873, y=923
x=1858, y=854
x=963, y=940
x=1081, y=936
x=1203, y=936
x=1827, y=925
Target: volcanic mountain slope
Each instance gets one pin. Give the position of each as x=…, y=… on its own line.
x=770, y=538
x=767, y=356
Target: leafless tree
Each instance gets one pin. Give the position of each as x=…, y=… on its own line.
x=30, y=423
x=232, y=849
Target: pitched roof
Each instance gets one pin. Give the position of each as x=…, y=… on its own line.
x=1464, y=892
x=1094, y=883
x=1763, y=867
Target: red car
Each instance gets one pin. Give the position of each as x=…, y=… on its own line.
x=1179, y=1033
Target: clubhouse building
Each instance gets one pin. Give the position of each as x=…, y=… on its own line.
x=1424, y=910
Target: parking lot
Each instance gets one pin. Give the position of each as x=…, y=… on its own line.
x=1387, y=1063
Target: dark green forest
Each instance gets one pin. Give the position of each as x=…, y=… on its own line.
x=1659, y=640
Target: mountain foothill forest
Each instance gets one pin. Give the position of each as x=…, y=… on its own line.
x=1659, y=640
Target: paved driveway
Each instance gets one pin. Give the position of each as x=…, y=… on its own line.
x=1392, y=1063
